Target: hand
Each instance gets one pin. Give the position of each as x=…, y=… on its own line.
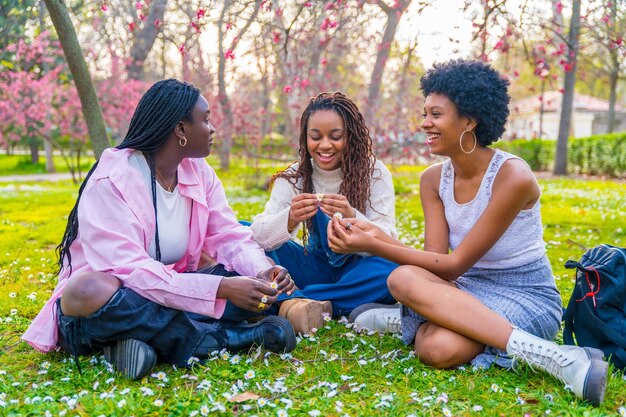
x=205, y=261
x=279, y=276
x=335, y=203
x=247, y=293
x=346, y=236
x=303, y=207
x=367, y=227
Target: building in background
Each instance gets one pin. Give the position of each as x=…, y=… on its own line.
x=590, y=117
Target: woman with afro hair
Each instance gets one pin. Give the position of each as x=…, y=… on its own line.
x=337, y=176
x=482, y=290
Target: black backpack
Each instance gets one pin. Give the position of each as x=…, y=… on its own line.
x=596, y=313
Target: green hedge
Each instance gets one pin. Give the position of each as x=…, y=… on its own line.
x=538, y=153
x=596, y=155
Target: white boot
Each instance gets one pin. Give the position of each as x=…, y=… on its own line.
x=579, y=368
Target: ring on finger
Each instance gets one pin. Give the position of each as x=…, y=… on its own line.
x=261, y=305
x=264, y=299
x=348, y=225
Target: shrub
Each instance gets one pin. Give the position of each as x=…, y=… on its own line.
x=538, y=153
x=594, y=155
x=599, y=154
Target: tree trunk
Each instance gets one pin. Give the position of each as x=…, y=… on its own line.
x=612, y=98
x=560, y=163
x=404, y=75
x=82, y=79
x=228, y=122
x=144, y=40
x=614, y=74
x=222, y=97
x=266, y=103
x=34, y=150
x=393, y=18
x=47, y=146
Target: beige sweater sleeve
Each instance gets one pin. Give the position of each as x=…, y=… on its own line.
x=270, y=227
x=382, y=211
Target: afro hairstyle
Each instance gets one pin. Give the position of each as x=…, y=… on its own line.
x=477, y=90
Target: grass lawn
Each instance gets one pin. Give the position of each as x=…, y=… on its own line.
x=333, y=372
x=21, y=164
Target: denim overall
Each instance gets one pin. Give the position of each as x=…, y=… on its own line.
x=347, y=280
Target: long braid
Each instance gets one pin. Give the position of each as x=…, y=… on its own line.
x=152, y=164
x=164, y=105
x=358, y=160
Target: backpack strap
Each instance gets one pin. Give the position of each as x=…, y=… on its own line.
x=568, y=317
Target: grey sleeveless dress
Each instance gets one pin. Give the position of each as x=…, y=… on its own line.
x=514, y=278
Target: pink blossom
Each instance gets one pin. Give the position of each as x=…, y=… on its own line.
x=279, y=12
x=305, y=83
x=200, y=13
x=287, y=89
x=324, y=61
x=181, y=49
x=307, y=4
x=501, y=45
x=276, y=36
x=157, y=22
x=559, y=7
x=104, y=7
x=131, y=26
x=327, y=23
x=229, y=54
x=138, y=5
x=229, y=26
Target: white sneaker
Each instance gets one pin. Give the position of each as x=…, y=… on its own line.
x=382, y=318
x=582, y=369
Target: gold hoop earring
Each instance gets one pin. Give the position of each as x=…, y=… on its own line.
x=461, y=141
x=182, y=141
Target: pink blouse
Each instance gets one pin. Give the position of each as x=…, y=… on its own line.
x=117, y=224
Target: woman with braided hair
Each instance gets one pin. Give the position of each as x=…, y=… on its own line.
x=337, y=175
x=133, y=280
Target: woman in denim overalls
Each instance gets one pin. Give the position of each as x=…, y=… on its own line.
x=337, y=175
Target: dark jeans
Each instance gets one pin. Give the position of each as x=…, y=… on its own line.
x=174, y=334
x=346, y=280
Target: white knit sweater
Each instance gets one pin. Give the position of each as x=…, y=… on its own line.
x=270, y=227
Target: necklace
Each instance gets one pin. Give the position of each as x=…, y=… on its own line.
x=168, y=188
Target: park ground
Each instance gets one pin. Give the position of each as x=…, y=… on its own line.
x=335, y=371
